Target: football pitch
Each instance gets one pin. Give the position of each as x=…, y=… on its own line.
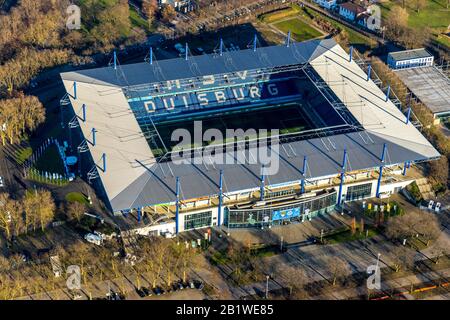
x=287, y=118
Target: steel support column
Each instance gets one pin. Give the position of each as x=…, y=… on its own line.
x=262, y=185
x=219, y=211
x=151, y=55
x=341, y=184
x=380, y=176
x=83, y=110
x=302, y=188
x=177, y=205
x=405, y=166
x=408, y=115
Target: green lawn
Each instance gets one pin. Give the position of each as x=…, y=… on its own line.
x=23, y=154
x=138, y=21
x=435, y=15
x=355, y=38
x=300, y=24
x=299, y=29
x=279, y=14
x=76, y=197
x=345, y=235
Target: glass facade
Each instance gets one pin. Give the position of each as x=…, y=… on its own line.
x=197, y=220
x=243, y=218
x=359, y=192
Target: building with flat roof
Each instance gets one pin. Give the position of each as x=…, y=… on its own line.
x=337, y=136
x=429, y=85
x=410, y=59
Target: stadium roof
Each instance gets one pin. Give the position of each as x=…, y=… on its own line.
x=410, y=54
x=197, y=66
x=134, y=179
x=430, y=85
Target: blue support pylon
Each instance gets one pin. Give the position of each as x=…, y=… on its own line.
x=221, y=47
x=75, y=90
x=139, y=215
x=187, y=52
x=115, y=60
x=388, y=92
x=254, y=42
x=104, y=162
x=380, y=176
x=177, y=205
x=408, y=115
x=219, y=210
x=93, y=136
x=262, y=185
x=351, y=54
x=302, y=188
x=341, y=184
x=151, y=55
x=369, y=70
x=405, y=166
x=83, y=111
x=288, y=39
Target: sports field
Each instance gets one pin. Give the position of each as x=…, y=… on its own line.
x=300, y=30
x=287, y=118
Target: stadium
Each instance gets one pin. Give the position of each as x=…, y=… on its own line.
x=336, y=133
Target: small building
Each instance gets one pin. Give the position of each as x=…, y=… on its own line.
x=327, y=4
x=184, y=6
x=352, y=11
x=410, y=59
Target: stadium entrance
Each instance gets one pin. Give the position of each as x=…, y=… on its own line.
x=279, y=210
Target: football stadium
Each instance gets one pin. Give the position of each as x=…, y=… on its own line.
x=333, y=132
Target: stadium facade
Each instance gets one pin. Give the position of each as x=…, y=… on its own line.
x=341, y=137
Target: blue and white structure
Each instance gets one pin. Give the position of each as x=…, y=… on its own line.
x=352, y=141
x=410, y=59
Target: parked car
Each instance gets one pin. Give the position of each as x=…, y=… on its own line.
x=94, y=238
x=199, y=284
x=158, y=291
x=180, y=48
x=140, y=293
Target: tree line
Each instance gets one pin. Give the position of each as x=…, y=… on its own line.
x=34, y=211
x=18, y=116
x=35, y=37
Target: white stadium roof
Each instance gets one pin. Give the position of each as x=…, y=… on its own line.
x=134, y=179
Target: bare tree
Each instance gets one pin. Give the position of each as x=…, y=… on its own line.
x=167, y=13
x=420, y=4
x=19, y=115
x=337, y=266
x=149, y=8
x=396, y=22
x=295, y=279
x=413, y=223
x=76, y=210
x=403, y=257
x=439, y=170
x=5, y=215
